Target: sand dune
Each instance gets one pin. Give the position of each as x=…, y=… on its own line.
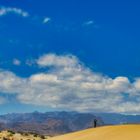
x=10, y=135
x=120, y=132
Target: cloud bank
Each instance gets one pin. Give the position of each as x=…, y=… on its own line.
x=68, y=84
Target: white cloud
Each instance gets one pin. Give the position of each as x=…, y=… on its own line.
x=68, y=84
x=90, y=22
x=46, y=20
x=56, y=60
x=7, y=10
x=10, y=83
x=16, y=62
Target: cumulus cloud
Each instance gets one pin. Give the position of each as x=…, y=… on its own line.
x=10, y=83
x=68, y=84
x=56, y=60
x=18, y=11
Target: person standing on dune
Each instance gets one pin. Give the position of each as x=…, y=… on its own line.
x=95, y=123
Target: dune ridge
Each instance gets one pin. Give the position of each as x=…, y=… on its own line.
x=118, y=132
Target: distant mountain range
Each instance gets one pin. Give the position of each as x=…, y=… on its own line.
x=112, y=118
x=50, y=123
x=55, y=123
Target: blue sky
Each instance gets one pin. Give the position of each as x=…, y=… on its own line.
x=42, y=39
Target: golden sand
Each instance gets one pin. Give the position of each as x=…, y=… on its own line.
x=119, y=132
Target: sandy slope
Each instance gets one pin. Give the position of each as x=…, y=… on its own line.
x=120, y=132
x=18, y=136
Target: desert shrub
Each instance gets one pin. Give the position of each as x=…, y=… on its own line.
x=22, y=133
x=10, y=135
x=42, y=137
x=4, y=138
x=26, y=134
x=35, y=135
x=12, y=132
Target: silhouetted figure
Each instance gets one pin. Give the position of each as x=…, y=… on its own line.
x=95, y=123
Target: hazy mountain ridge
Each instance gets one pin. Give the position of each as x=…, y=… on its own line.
x=50, y=123
x=114, y=118
x=55, y=123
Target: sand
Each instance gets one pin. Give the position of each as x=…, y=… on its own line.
x=119, y=132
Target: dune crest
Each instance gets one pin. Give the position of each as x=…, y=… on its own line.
x=119, y=132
